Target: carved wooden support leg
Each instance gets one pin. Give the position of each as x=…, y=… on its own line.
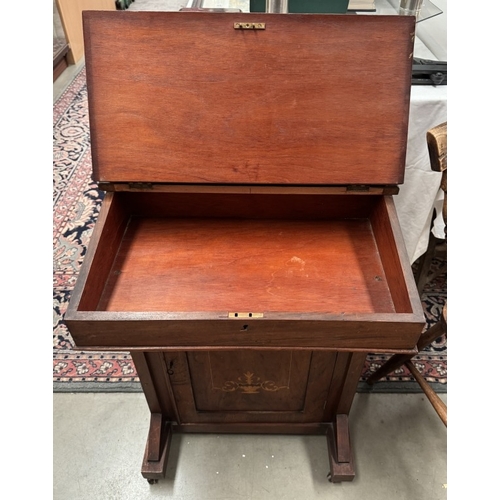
x=339, y=450
x=155, y=459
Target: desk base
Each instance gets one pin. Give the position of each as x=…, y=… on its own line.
x=159, y=440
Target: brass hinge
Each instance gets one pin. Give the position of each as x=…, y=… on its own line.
x=358, y=187
x=367, y=189
x=143, y=186
x=104, y=186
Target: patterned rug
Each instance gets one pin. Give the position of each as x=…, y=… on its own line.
x=76, y=205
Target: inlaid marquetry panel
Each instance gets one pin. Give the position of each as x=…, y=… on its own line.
x=242, y=380
x=255, y=385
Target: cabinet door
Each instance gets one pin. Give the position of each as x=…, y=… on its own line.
x=244, y=385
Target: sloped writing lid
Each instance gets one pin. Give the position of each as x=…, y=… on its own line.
x=184, y=97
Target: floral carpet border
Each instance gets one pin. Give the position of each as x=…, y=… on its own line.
x=76, y=205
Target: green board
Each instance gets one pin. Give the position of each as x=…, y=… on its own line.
x=306, y=6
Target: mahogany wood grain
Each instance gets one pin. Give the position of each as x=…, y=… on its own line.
x=243, y=380
x=305, y=101
x=194, y=189
x=253, y=428
x=350, y=384
x=347, y=369
x=342, y=437
x=394, y=258
x=339, y=450
x=154, y=437
x=340, y=368
x=197, y=394
x=283, y=205
x=250, y=169
x=107, y=237
x=155, y=469
x=146, y=331
x=147, y=383
x=151, y=369
x=319, y=383
x=252, y=265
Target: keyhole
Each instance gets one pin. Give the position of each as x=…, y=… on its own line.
x=169, y=369
x=245, y=328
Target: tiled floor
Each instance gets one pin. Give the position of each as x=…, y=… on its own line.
x=399, y=442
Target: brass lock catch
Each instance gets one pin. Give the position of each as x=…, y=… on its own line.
x=249, y=26
x=245, y=315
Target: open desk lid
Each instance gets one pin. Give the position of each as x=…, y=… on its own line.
x=194, y=97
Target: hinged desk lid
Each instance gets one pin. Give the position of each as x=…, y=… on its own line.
x=185, y=97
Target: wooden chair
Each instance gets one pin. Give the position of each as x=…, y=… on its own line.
x=399, y=360
x=437, y=145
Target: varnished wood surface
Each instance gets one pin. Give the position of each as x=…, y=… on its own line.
x=312, y=99
x=394, y=258
x=255, y=409
x=301, y=398
x=107, y=237
x=245, y=380
x=194, y=189
x=247, y=266
x=143, y=328
x=244, y=205
x=339, y=450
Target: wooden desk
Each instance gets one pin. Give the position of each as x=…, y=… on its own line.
x=247, y=252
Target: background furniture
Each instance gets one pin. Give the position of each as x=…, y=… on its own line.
x=61, y=46
x=398, y=360
x=437, y=143
x=71, y=17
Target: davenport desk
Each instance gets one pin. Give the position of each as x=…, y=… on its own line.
x=247, y=252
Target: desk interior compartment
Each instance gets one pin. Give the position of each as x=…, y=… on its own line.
x=262, y=264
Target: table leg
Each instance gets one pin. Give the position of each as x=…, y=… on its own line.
x=155, y=459
x=339, y=450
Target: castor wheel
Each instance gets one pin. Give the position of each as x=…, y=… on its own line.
x=329, y=477
x=152, y=481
